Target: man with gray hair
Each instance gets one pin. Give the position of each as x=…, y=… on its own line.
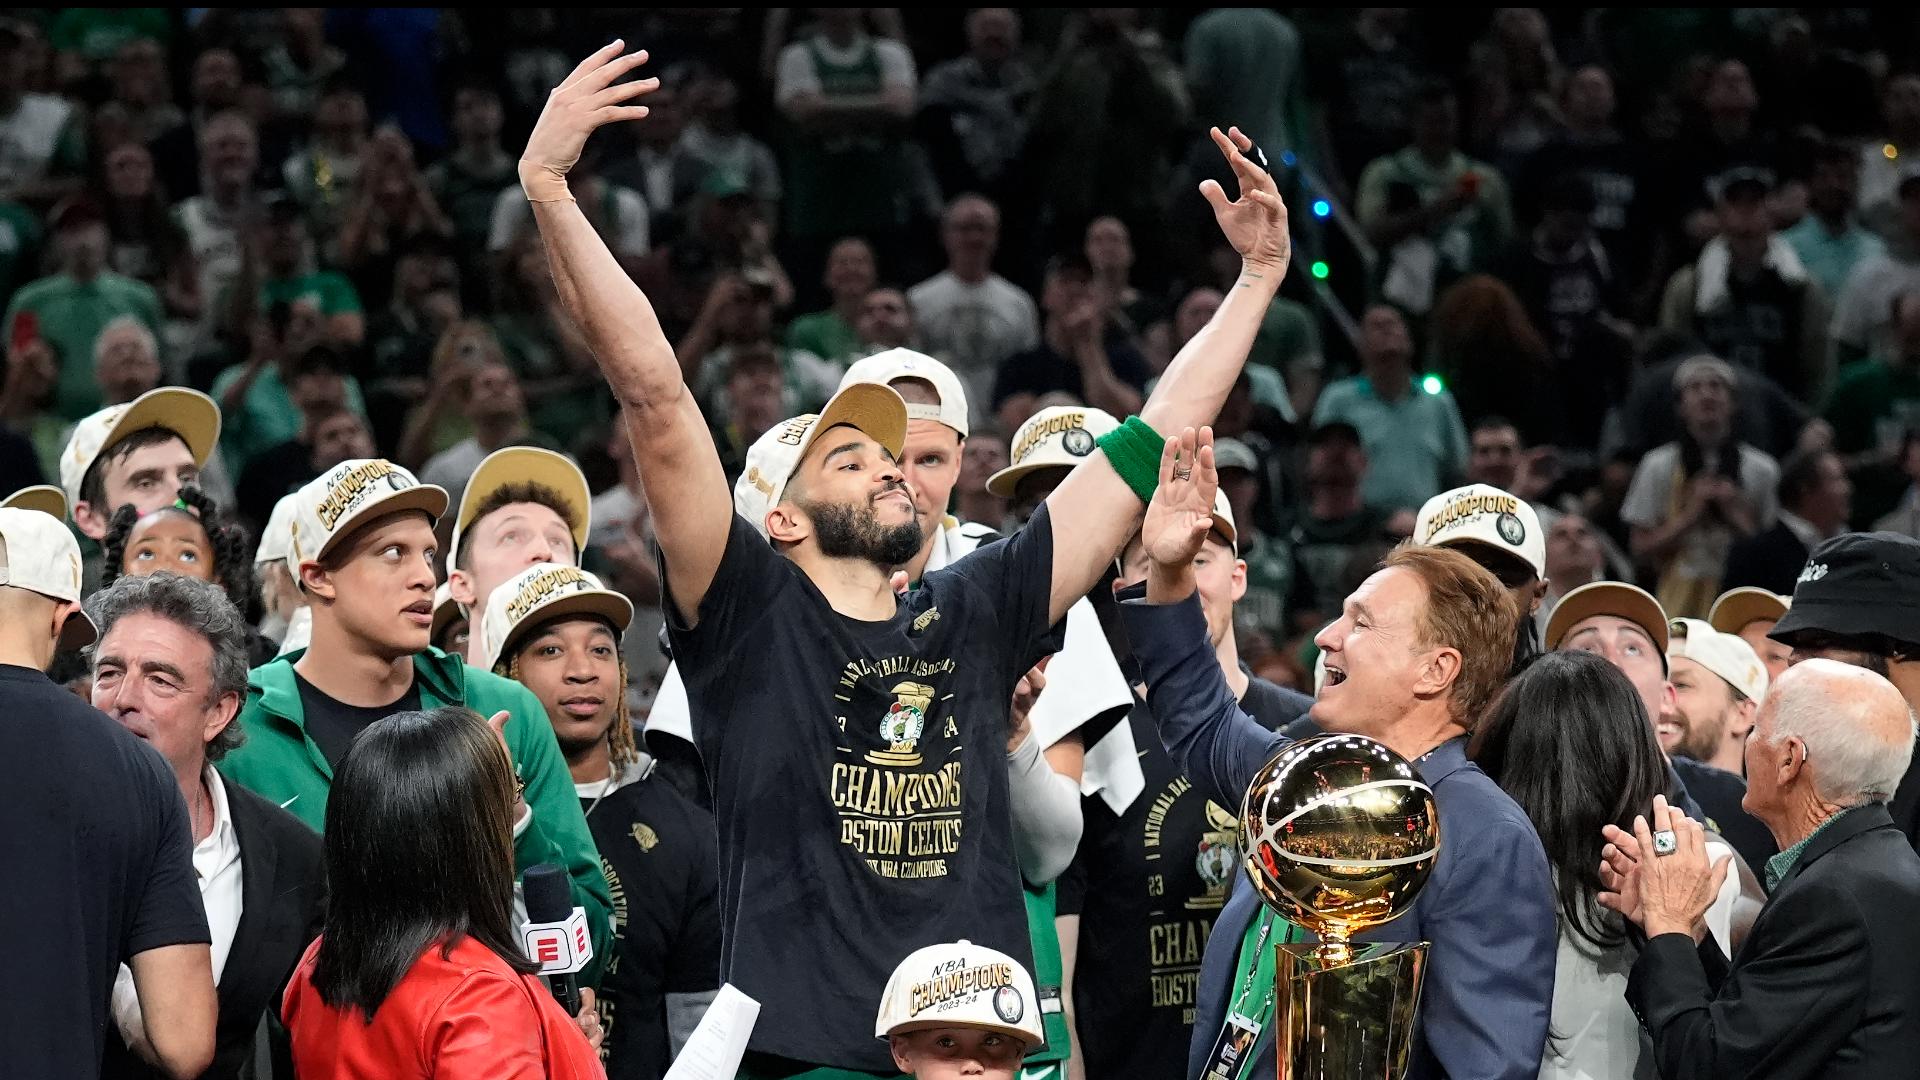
x=1825, y=984
x=171, y=667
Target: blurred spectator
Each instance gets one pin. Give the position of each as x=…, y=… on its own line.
x=70, y=307
x=832, y=334
x=301, y=64
x=846, y=97
x=1494, y=454
x=1828, y=239
x=616, y=211
x=1874, y=405
x=617, y=544
x=141, y=101
x=1488, y=353
x=146, y=243
x=973, y=108
x=1416, y=444
x=1260, y=614
x=26, y=396
x=886, y=321
x=324, y=177
x=126, y=360
x=1886, y=162
x=1810, y=85
x=1863, y=316
x=1764, y=415
x=498, y=413
x=214, y=87
x=437, y=422
x=1722, y=138
x=393, y=207
x=1101, y=124
x=400, y=50
x=1905, y=516
x=564, y=392
x=1369, y=80
x=1612, y=170
x=218, y=219
x=752, y=399
x=260, y=400
x=1816, y=501
x=20, y=239
x=1747, y=297
x=1574, y=558
x=713, y=142
x=1079, y=354
x=330, y=433
x=1332, y=524
x=738, y=315
x=1514, y=71
x=42, y=143
x=1568, y=283
x=278, y=266
x=969, y=316
x=1196, y=309
x=400, y=339
x=1243, y=66
x=1692, y=498
x=1434, y=213
x=468, y=181
x=660, y=167
x=1109, y=252
x=984, y=454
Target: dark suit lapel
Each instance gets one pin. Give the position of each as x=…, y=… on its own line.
x=1863, y=819
x=258, y=861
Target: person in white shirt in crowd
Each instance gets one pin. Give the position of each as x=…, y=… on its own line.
x=42, y=136
x=523, y=506
x=285, y=617
x=1749, y=613
x=1717, y=686
x=968, y=314
x=214, y=220
x=171, y=668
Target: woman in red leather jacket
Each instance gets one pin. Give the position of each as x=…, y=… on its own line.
x=417, y=974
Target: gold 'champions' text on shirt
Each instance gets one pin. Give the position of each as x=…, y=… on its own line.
x=899, y=812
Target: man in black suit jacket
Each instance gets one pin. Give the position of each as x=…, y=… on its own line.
x=171, y=667
x=1816, y=499
x=1825, y=985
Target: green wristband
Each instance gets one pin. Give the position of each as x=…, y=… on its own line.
x=1133, y=449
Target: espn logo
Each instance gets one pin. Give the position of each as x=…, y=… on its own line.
x=558, y=947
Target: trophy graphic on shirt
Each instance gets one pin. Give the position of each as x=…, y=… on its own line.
x=1340, y=836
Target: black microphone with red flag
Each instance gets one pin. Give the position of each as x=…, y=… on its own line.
x=555, y=936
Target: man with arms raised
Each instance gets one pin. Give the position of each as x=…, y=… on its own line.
x=855, y=739
x=1417, y=654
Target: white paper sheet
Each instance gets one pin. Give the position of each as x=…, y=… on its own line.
x=714, y=1051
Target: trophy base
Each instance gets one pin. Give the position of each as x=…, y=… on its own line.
x=1345, y=1011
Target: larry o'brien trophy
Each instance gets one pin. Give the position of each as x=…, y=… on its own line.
x=1341, y=834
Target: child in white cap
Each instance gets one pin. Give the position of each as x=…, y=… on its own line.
x=959, y=1009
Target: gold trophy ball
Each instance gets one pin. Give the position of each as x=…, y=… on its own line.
x=1340, y=834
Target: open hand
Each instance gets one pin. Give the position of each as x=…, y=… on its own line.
x=1256, y=222
x=1181, y=512
x=586, y=99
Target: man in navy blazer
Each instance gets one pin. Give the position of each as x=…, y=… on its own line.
x=1419, y=651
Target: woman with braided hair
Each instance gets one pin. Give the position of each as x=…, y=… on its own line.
x=556, y=630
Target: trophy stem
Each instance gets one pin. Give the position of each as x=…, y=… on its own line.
x=1345, y=1011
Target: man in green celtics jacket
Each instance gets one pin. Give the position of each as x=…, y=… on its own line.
x=363, y=552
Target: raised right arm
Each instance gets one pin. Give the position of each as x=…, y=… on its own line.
x=679, y=468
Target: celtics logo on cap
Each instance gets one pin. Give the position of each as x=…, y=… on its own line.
x=1077, y=441
x=1008, y=1005
x=1510, y=529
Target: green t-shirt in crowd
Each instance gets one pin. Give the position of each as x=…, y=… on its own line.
x=1269, y=582
x=332, y=293
x=266, y=416
x=1874, y=403
x=20, y=236
x=826, y=335
x=71, y=315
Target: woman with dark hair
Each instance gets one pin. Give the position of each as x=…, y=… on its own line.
x=417, y=973
x=1570, y=741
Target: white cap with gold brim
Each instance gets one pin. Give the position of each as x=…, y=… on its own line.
x=540, y=594
x=874, y=409
x=511, y=465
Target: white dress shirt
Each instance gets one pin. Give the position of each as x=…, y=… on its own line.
x=216, y=863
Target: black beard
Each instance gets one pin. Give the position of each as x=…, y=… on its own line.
x=846, y=533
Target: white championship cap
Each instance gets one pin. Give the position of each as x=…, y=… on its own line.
x=1485, y=516
x=1061, y=436
x=340, y=499
x=1223, y=520
x=1725, y=655
x=43, y=557
x=885, y=367
x=1737, y=607
x=274, y=538
x=189, y=414
x=445, y=610
x=871, y=408
x=1615, y=598
x=42, y=497
x=960, y=985
x=525, y=465
x=540, y=594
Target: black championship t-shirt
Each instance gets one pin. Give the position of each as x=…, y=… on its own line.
x=1148, y=885
x=657, y=849
x=859, y=776
x=98, y=859
x=332, y=724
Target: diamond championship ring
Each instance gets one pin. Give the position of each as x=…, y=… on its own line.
x=1664, y=842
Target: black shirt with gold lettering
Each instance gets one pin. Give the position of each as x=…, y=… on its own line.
x=1148, y=884
x=859, y=776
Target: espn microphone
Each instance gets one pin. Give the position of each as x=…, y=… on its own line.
x=555, y=936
